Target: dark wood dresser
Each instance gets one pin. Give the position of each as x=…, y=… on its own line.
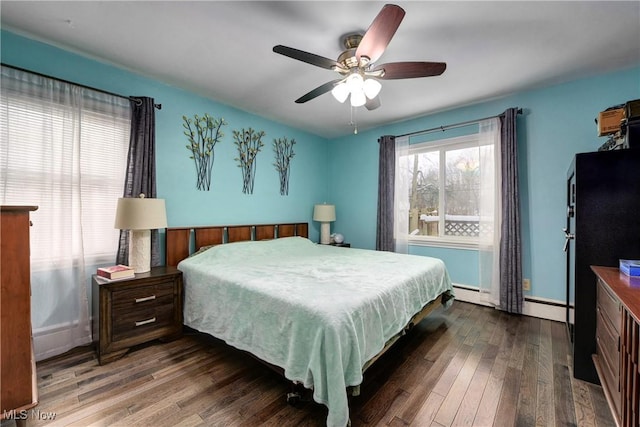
x=617, y=357
x=18, y=391
x=134, y=311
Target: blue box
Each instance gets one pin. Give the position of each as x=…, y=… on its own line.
x=630, y=267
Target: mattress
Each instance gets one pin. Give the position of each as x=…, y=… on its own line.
x=318, y=312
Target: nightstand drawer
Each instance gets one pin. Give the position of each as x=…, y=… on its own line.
x=132, y=323
x=137, y=298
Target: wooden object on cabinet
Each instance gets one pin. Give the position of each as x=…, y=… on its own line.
x=18, y=391
x=617, y=357
x=133, y=311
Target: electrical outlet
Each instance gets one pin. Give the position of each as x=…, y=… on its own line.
x=526, y=284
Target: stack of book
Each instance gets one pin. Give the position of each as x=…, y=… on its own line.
x=115, y=272
x=630, y=267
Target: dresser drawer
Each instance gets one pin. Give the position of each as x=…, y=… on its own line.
x=608, y=346
x=610, y=306
x=608, y=350
x=610, y=381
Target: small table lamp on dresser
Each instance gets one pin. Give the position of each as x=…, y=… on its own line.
x=140, y=216
x=324, y=214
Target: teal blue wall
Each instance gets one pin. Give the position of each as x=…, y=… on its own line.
x=176, y=180
x=557, y=122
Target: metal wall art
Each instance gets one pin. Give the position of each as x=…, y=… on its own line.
x=249, y=143
x=203, y=134
x=283, y=149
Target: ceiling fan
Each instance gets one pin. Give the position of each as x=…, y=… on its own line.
x=356, y=63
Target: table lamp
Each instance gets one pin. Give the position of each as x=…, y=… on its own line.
x=140, y=216
x=324, y=214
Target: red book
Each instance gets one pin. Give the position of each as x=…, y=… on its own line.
x=116, y=272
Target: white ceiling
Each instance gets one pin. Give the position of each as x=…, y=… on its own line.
x=223, y=50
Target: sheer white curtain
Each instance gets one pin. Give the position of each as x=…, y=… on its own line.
x=63, y=148
x=401, y=206
x=490, y=211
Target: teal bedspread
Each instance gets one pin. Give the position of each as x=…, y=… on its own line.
x=319, y=312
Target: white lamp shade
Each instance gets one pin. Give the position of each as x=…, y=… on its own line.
x=358, y=99
x=371, y=88
x=340, y=92
x=354, y=81
x=324, y=213
x=140, y=214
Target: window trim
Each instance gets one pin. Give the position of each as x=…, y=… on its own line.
x=442, y=146
x=449, y=242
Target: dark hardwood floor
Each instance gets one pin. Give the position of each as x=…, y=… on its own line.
x=469, y=365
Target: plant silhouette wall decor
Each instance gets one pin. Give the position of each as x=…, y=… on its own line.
x=283, y=149
x=249, y=143
x=203, y=134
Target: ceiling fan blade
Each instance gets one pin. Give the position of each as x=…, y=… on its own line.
x=320, y=90
x=380, y=32
x=309, y=58
x=372, y=104
x=410, y=70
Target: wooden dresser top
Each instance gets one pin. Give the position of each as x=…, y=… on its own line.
x=626, y=288
x=15, y=208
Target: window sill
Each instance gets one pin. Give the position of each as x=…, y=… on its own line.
x=445, y=243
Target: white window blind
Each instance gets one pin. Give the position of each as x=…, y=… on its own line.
x=64, y=149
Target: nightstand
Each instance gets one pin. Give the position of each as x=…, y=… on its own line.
x=134, y=311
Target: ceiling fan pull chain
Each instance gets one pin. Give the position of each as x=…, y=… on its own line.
x=354, y=120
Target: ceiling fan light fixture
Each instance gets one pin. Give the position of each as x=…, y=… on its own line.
x=355, y=85
x=340, y=92
x=356, y=64
x=371, y=88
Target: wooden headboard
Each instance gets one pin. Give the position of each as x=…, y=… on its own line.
x=180, y=244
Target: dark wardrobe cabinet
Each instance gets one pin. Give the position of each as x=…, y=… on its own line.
x=603, y=226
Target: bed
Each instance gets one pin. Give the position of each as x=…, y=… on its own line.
x=321, y=314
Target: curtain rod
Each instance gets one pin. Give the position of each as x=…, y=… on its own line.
x=453, y=126
x=130, y=98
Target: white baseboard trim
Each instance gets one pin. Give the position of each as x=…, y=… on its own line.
x=53, y=340
x=533, y=306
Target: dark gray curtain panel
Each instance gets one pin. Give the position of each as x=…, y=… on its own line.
x=141, y=169
x=386, y=182
x=511, y=298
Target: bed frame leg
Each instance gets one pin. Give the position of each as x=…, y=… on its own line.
x=293, y=398
x=298, y=394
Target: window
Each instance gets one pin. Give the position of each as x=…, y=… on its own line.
x=445, y=182
x=64, y=149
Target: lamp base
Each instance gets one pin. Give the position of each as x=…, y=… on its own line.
x=325, y=233
x=140, y=250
